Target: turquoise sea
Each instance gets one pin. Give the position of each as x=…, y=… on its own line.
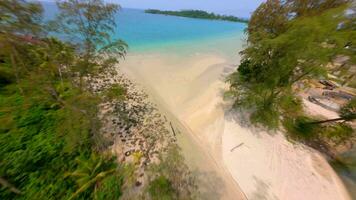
x=142, y=31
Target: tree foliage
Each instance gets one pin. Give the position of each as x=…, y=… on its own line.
x=48, y=124
x=284, y=49
x=19, y=21
x=267, y=21
x=20, y=17
x=91, y=24
x=171, y=178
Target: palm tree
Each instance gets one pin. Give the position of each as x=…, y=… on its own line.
x=90, y=172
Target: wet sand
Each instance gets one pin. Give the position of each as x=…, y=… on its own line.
x=233, y=160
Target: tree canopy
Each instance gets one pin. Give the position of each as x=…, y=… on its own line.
x=47, y=123
x=286, y=45
x=90, y=24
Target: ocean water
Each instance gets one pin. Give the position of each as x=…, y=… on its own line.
x=143, y=31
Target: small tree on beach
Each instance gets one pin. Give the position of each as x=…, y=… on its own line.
x=284, y=49
x=91, y=23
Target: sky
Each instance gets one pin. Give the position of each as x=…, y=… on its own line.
x=240, y=8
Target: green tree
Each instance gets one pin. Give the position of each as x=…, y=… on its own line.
x=19, y=23
x=20, y=17
x=261, y=27
x=171, y=177
x=55, y=57
x=294, y=50
x=91, y=23
x=48, y=122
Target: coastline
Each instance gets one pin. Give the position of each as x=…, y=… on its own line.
x=214, y=180
x=190, y=91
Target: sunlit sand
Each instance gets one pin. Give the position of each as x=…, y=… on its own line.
x=235, y=160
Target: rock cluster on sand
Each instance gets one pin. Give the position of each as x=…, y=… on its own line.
x=133, y=128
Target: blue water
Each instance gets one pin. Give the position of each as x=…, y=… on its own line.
x=142, y=30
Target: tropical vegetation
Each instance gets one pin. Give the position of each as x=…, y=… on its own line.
x=49, y=126
x=294, y=44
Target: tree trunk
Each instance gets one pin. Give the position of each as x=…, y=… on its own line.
x=328, y=120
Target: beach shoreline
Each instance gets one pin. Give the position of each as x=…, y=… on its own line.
x=214, y=181
x=190, y=91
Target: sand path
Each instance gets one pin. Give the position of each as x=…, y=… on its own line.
x=233, y=160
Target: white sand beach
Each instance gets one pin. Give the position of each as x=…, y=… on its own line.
x=245, y=162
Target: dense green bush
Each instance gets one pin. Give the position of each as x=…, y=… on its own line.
x=47, y=123
x=40, y=141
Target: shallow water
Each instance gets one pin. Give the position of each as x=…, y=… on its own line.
x=141, y=30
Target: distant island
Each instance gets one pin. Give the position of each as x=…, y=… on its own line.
x=200, y=14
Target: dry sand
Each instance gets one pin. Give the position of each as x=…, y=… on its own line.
x=263, y=166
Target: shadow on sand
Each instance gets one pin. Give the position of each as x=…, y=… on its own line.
x=211, y=187
x=262, y=191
